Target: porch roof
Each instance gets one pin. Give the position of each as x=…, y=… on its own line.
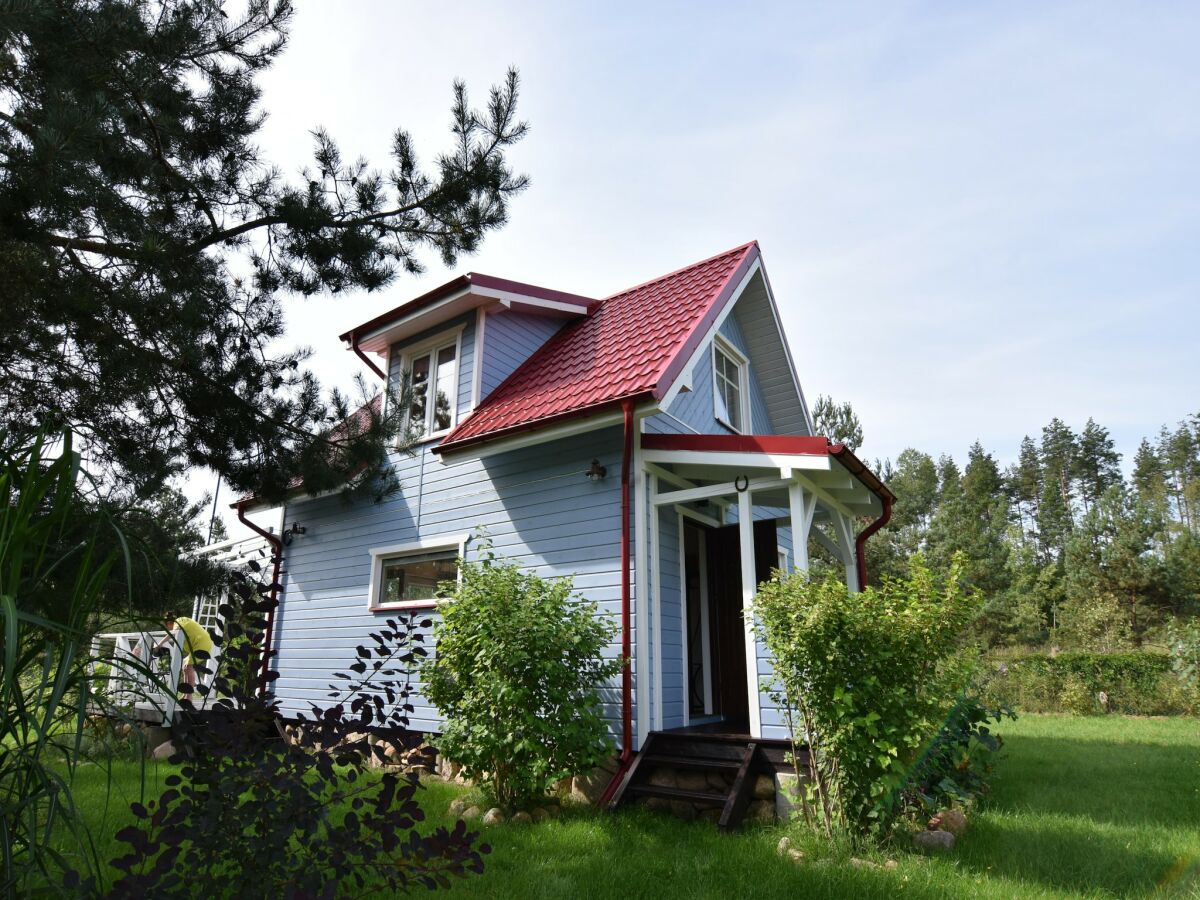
x=713, y=458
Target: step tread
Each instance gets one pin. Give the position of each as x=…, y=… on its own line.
x=672, y=793
x=691, y=762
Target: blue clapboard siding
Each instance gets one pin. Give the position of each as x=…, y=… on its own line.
x=466, y=360
x=534, y=504
x=509, y=339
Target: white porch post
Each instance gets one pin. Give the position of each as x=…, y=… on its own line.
x=801, y=508
x=845, y=535
x=749, y=587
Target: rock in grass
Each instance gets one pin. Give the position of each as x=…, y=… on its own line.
x=933, y=841
x=457, y=805
x=761, y=811
x=796, y=856
x=471, y=812
x=951, y=820
x=164, y=751
x=521, y=818
x=540, y=814
x=784, y=845
x=764, y=788
x=493, y=816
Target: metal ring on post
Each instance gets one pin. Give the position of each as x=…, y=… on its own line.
x=737, y=483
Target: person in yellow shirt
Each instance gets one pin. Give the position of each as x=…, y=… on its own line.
x=195, y=640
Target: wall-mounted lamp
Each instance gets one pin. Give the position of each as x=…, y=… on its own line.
x=290, y=533
x=596, y=472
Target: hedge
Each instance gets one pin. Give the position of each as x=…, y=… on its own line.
x=1083, y=683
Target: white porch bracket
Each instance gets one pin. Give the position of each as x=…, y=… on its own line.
x=843, y=526
x=802, y=507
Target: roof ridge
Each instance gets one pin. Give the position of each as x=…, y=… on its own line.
x=681, y=270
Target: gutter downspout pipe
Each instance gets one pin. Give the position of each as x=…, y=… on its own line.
x=358, y=350
x=860, y=556
x=277, y=543
x=626, y=591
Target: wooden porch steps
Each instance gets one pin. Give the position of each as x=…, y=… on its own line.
x=736, y=760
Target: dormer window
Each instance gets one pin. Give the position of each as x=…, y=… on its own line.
x=433, y=379
x=731, y=387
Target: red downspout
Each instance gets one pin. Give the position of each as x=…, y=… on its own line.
x=860, y=556
x=276, y=542
x=358, y=350
x=626, y=592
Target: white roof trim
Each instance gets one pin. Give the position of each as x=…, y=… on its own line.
x=685, y=374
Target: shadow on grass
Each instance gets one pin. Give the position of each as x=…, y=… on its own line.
x=1074, y=854
x=1122, y=784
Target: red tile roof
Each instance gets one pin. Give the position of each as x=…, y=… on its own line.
x=630, y=345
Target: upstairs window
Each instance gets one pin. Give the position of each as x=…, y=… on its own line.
x=730, y=386
x=433, y=379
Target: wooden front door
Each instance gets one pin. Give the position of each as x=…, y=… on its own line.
x=730, y=683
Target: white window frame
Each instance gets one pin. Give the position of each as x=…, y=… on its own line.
x=431, y=347
x=721, y=345
x=381, y=555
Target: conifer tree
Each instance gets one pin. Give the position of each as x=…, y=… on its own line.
x=146, y=242
x=1097, y=463
x=838, y=422
x=1056, y=512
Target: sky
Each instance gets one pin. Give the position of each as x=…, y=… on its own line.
x=974, y=216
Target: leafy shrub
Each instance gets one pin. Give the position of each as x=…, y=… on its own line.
x=252, y=815
x=1184, y=641
x=517, y=674
x=870, y=677
x=955, y=768
x=1134, y=683
x=1075, y=698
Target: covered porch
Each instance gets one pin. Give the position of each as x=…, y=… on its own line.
x=724, y=511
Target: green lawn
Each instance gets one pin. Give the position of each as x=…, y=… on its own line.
x=1081, y=807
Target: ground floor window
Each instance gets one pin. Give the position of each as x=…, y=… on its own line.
x=413, y=575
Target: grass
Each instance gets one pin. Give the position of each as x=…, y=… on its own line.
x=1081, y=807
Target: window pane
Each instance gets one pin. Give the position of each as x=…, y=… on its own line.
x=417, y=577
x=728, y=386
x=445, y=389
x=420, y=394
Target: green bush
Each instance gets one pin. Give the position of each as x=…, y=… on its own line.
x=516, y=673
x=1133, y=683
x=867, y=679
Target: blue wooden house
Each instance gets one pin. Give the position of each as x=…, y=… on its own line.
x=655, y=445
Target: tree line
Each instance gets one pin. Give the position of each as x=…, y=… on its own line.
x=1066, y=548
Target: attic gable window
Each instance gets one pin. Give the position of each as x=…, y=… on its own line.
x=731, y=383
x=432, y=369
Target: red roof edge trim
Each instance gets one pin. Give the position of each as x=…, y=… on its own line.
x=536, y=424
x=465, y=281
x=426, y=299
x=858, y=468
x=681, y=357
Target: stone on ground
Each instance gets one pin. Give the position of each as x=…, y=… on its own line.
x=764, y=788
x=540, y=814
x=692, y=781
x=471, y=812
x=163, y=751
x=933, y=841
x=951, y=820
x=521, y=818
x=493, y=816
